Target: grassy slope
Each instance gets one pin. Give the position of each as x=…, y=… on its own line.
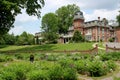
x=49, y=47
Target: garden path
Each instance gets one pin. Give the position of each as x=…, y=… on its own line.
x=98, y=46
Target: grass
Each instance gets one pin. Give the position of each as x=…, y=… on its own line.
x=100, y=44
x=48, y=47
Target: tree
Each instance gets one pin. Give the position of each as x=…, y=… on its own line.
x=50, y=27
x=118, y=19
x=9, y=39
x=50, y=23
x=77, y=37
x=51, y=37
x=25, y=39
x=65, y=17
x=11, y=8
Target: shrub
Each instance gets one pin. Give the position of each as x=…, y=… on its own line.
x=111, y=56
x=69, y=74
x=7, y=75
x=67, y=63
x=81, y=66
x=111, y=65
x=2, y=59
x=18, y=70
x=19, y=56
x=38, y=75
x=105, y=57
x=51, y=57
x=97, y=68
x=60, y=73
x=56, y=73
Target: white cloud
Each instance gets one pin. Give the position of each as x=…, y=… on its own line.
x=103, y=13
x=25, y=17
x=17, y=30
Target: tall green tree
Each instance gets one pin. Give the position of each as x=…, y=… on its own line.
x=11, y=8
x=50, y=23
x=118, y=19
x=50, y=27
x=65, y=17
x=9, y=39
x=77, y=37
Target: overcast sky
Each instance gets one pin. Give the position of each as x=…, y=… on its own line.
x=92, y=9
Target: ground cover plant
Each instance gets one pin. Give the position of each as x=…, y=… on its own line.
x=55, y=66
x=47, y=68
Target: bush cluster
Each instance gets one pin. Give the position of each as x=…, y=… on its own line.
x=57, y=66
x=37, y=71
x=94, y=68
x=115, y=56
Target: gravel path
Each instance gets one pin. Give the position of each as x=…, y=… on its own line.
x=98, y=47
x=117, y=45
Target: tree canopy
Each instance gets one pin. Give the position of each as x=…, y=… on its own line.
x=50, y=22
x=10, y=8
x=50, y=27
x=65, y=17
x=22, y=39
x=58, y=22
x=118, y=19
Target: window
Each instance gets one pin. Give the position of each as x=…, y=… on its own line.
x=103, y=30
x=89, y=30
x=98, y=30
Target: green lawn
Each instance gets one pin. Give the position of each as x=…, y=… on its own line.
x=100, y=44
x=48, y=47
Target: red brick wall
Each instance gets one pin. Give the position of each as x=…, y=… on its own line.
x=78, y=25
x=118, y=34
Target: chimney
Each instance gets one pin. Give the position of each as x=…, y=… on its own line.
x=98, y=18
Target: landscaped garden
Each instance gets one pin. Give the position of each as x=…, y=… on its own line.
x=57, y=66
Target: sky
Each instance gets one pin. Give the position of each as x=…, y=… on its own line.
x=92, y=9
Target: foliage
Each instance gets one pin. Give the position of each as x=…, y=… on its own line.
x=51, y=57
x=9, y=9
x=25, y=39
x=81, y=66
x=5, y=58
x=2, y=41
x=65, y=17
x=38, y=75
x=77, y=37
x=51, y=37
x=11, y=39
x=63, y=68
x=111, y=65
x=7, y=39
x=112, y=39
x=60, y=73
x=50, y=27
x=118, y=19
x=50, y=22
x=66, y=63
x=16, y=71
x=7, y=76
x=111, y=56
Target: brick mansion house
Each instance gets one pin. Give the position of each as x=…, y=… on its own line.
x=95, y=30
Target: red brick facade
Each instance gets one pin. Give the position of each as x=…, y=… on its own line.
x=117, y=32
